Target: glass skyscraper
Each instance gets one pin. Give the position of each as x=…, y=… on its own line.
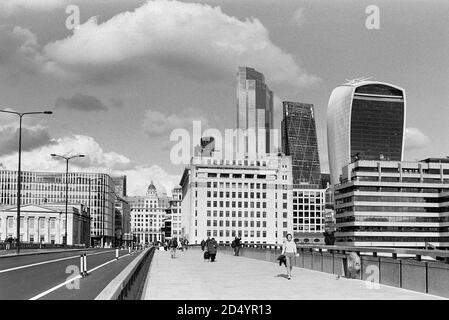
x=366, y=121
x=254, y=109
x=299, y=140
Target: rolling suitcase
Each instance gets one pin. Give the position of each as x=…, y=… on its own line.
x=206, y=255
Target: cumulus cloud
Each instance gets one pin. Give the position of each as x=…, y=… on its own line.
x=20, y=53
x=415, y=139
x=32, y=137
x=8, y=7
x=96, y=160
x=81, y=102
x=139, y=178
x=157, y=123
x=194, y=40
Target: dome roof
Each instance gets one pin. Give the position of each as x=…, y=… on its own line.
x=151, y=188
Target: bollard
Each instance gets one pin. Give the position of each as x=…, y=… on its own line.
x=116, y=254
x=85, y=265
x=129, y=249
x=81, y=265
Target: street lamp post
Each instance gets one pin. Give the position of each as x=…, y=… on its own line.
x=66, y=158
x=19, y=171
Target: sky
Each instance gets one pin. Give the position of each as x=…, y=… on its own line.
x=132, y=71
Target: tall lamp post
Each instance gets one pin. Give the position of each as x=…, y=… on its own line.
x=19, y=171
x=66, y=158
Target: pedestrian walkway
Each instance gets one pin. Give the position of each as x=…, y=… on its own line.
x=189, y=277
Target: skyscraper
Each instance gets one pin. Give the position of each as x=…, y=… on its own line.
x=365, y=120
x=299, y=140
x=206, y=147
x=254, y=109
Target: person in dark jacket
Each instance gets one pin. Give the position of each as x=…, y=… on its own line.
x=203, y=244
x=212, y=249
x=237, y=242
x=173, y=244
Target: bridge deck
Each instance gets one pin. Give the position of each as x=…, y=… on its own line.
x=189, y=277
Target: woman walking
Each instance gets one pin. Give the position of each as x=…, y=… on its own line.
x=290, y=251
x=212, y=249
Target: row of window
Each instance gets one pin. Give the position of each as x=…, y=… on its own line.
x=239, y=223
x=233, y=233
x=391, y=219
x=390, y=209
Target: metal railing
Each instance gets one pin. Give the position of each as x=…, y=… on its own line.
x=34, y=245
x=397, y=267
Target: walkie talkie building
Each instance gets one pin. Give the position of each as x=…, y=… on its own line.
x=366, y=121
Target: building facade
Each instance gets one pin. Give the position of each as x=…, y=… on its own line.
x=123, y=233
x=366, y=121
x=309, y=210
x=206, y=147
x=225, y=198
x=299, y=140
x=254, y=110
x=46, y=224
x=177, y=230
x=94, y=190
x=120, y=185
x=147, y=216
x=394, y=204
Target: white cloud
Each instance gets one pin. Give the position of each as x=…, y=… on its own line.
x=298, y=17
x=97, y=160
x=415, y=139
x=20, y=52
x=194, y=40
x=140, y=177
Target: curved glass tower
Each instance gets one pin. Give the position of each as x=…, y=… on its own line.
x=365, y=120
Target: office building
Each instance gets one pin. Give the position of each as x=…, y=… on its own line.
x=299, y=140
x=206, y=147
x=176, y=216
x=366, y=121
x=123, y=233
x=224, y=198
x=147, y=216
x=46, y=224
x=393, y=204
x=120, y=185
x=254, y=111
x=93, y=190
x=308, y=210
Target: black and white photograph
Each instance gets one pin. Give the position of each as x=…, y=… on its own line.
x=223, y=156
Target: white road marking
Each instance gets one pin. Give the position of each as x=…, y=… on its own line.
x=49, y=261
x=40, y=295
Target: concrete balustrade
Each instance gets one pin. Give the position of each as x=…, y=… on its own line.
x=409, y=273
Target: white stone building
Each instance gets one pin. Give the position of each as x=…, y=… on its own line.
x=224, y=198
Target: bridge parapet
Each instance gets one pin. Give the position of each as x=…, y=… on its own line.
x=398, y=267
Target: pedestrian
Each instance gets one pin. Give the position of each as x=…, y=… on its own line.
x=290, y=251
x=203, y=244
x=180, y=247
x=212, y=249
x=236, y=247
x=186, y=242
x=173, y=244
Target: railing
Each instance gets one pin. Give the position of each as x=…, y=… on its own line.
x=410, y=271
x=129, y=284
x=34, y=245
